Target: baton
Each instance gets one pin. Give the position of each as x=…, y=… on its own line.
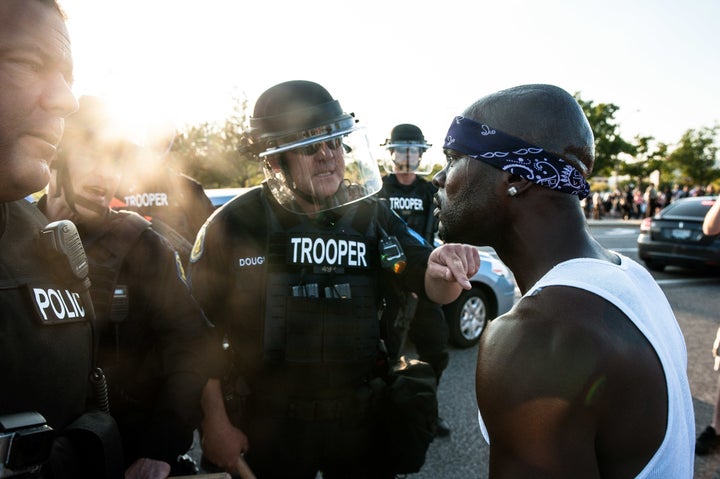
x=244, y=469
x=216, y=475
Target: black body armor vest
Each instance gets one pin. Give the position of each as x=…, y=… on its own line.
x=45, y=332
x=322, y=296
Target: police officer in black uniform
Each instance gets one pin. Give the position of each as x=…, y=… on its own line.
x=45, y=313
x=411, y=197
x=292, y=274
x=153, y=336
x=175, y=203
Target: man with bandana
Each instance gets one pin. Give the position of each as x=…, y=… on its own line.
x=586, y=376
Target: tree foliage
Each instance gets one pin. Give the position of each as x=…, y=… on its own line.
x=209, y=152
x=648, y=157
x=696, y=156
x=608, y=142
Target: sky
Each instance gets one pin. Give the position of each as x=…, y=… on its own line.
x=179, y=62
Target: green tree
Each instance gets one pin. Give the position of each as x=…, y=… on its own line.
x=648, y=157
x=209, y=152
x=696, y=156
x=608, y=142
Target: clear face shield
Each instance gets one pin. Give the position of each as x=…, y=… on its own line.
x=407, y=158
x=321, y=169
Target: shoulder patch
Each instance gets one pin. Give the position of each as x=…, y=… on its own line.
x=199, y=245
x=180, y=269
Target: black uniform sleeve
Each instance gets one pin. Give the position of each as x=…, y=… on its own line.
x=211, y=274
x=198, y=205
x=167, y=322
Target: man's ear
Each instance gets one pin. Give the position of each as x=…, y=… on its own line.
x=518, y=184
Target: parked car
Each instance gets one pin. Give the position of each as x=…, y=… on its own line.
x=220, y=196
x=493, y=289
x=493, y=293
x=674, y=236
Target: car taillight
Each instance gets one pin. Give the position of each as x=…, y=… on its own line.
x=645, y=225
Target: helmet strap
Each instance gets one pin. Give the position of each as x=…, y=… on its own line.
x=63, y=185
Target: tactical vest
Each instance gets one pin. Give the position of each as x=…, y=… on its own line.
x=106, y=253
x=321, y=297
x=45, y=333
x=413, y=203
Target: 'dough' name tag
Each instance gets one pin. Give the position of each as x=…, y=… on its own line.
x=54, y=305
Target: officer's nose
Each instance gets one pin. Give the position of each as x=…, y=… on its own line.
x=325, y=151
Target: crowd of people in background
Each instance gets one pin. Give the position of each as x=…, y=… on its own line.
x=639, y=201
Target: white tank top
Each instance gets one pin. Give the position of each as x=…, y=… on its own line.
x=634, y=291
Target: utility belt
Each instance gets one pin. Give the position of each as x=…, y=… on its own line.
x=242, y=406
x=350, y=407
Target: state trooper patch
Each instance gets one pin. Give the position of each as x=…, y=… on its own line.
x=180, y=269
x=199, y=245
x=327, y=251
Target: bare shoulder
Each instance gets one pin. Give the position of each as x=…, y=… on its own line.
x=568, y=360
x=562, y=329
x=555, y=330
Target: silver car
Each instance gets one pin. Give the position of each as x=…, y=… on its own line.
x=493, y=293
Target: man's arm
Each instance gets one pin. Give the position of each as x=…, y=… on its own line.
x=711, y=225
x=222, y=442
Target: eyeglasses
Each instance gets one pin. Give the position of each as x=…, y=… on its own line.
x=332, y=143
x=410, y=150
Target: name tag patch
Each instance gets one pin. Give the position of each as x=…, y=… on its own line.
x=55, y=305
x=147, y=199
x=401, y=203
x=320, y=251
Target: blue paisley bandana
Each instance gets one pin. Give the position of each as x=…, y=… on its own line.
x=515, y=156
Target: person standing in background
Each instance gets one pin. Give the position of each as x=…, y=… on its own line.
x=175, y=203
x=153, y=340
x=410, y=195
x=709, y=439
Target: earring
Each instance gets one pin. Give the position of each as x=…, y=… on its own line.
x=512, y=191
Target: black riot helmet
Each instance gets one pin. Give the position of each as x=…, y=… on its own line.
x=404, y=150
x=315, y=156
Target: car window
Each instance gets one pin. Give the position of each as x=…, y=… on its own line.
x=690, y=208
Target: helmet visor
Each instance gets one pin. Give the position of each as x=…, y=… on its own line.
x=321, y=169
x=407, y=158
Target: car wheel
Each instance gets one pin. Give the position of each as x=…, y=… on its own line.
x=467, y=317
x=653, y=265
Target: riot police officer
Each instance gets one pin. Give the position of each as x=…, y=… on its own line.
x=152, y=335
x=175, y=203
x=292, y=274
x=45, y=317
x=411, y=197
